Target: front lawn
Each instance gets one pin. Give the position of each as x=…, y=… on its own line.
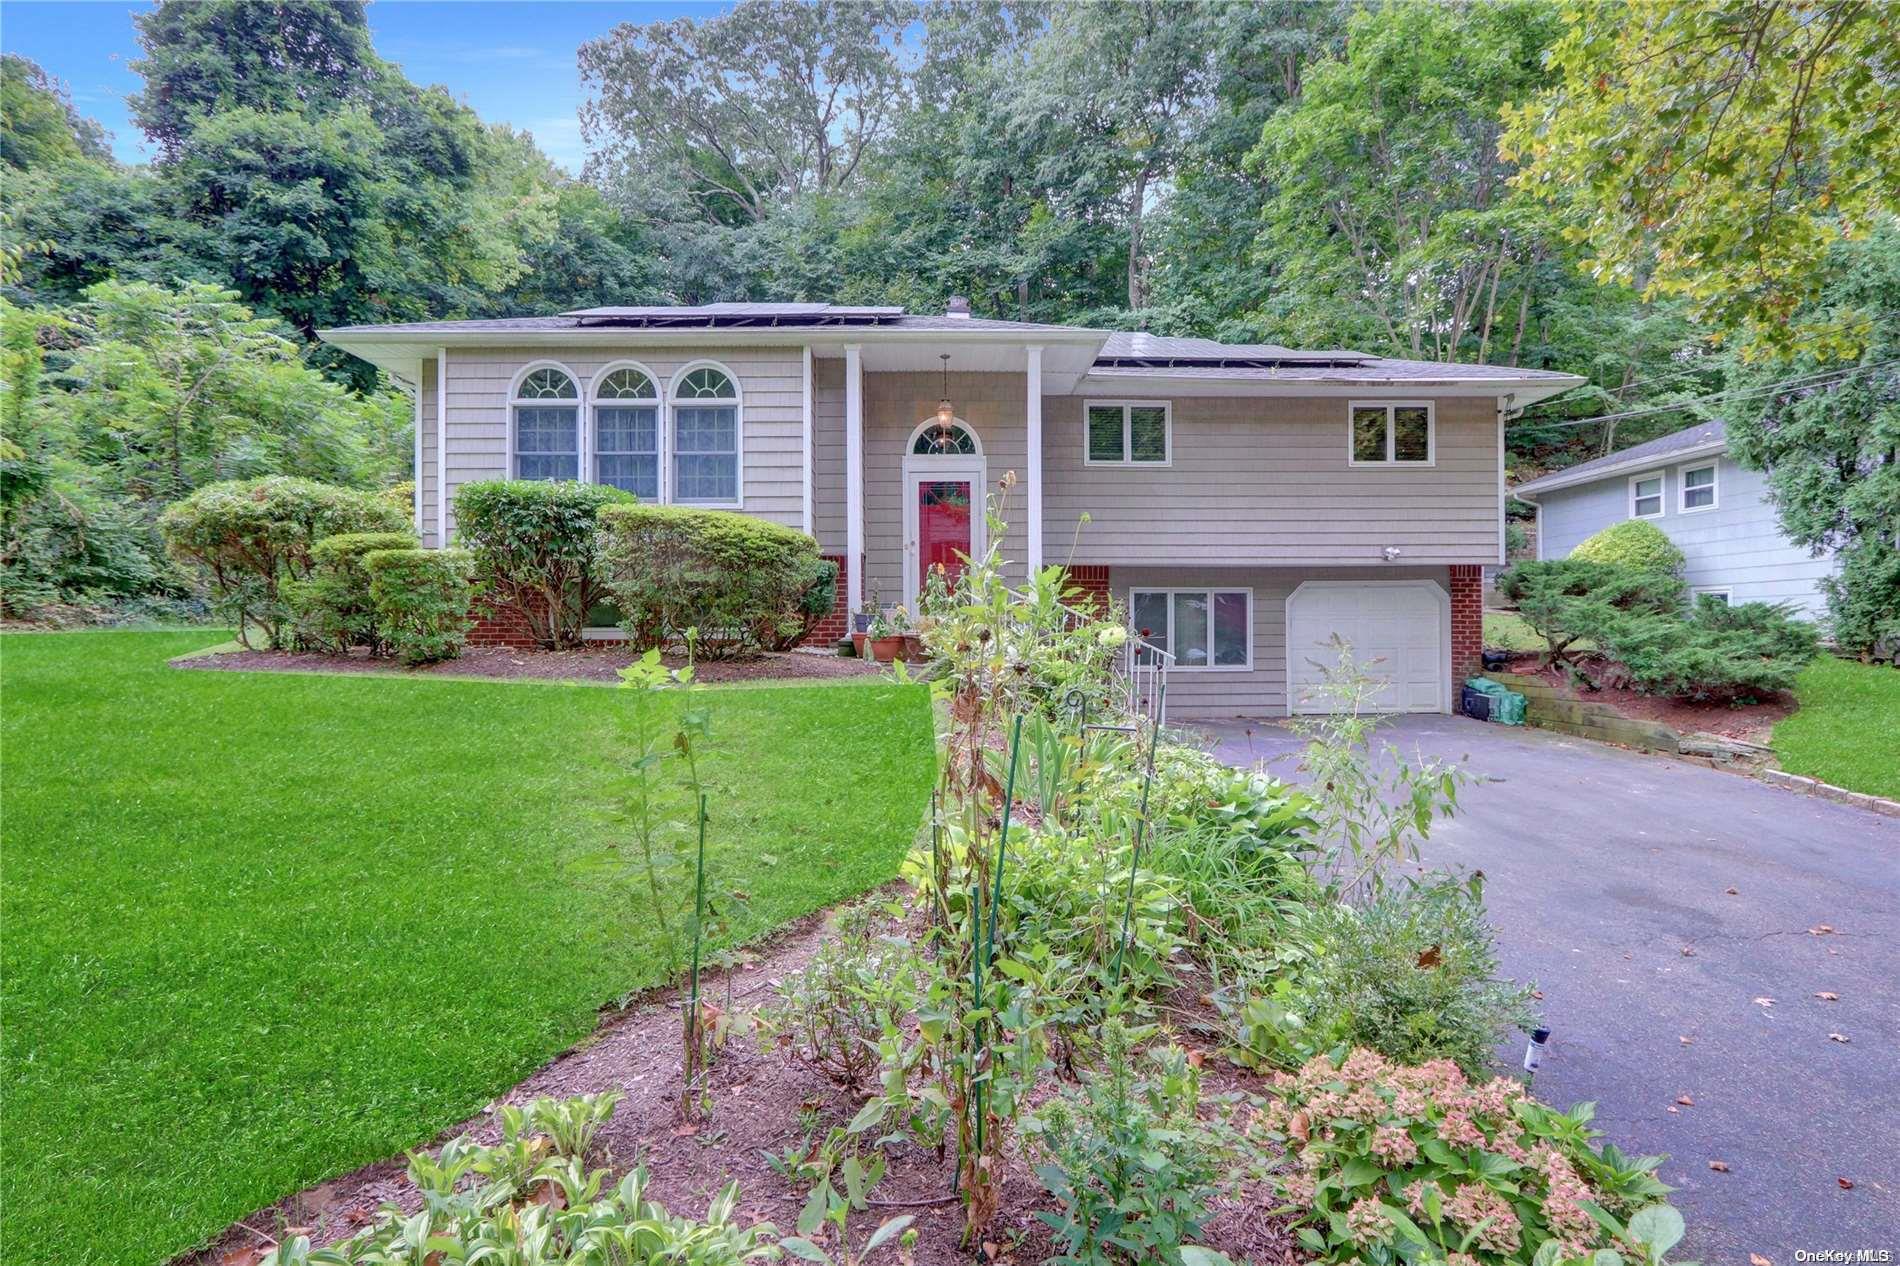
x=262, y=928
x=1848, y=729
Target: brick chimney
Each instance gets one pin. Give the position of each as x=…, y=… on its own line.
x=959, y=307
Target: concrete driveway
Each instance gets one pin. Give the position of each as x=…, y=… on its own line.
x=1659, y=906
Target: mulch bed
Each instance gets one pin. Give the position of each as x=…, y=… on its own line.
x=756, y=1095
x=1751, y=723
x=600, y=663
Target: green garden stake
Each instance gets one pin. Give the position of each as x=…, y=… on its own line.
x=1141, y=827
x=699, y=916
x=976, y=1000
x=1002, y=840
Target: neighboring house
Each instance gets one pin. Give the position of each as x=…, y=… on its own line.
x=1246, y=502
x=1716, y=511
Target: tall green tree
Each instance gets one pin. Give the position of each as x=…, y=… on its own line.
x=1829, y=439
x=1713, y=150
x=38, y=124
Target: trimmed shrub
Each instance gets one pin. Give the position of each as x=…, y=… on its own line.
x=533, y=543
x=332, y=610
x=1573, y=599
x=421, y=598
x=1720, y=654
x=743, y=584
x=1632, y=543
x=251, y=535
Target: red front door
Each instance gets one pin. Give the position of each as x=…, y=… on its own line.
x=943, y=524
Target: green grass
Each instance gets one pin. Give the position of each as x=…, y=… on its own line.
x=262, y=928
x=1847, y=731
x=1507, y=631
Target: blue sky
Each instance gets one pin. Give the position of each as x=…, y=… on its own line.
x=512, y=62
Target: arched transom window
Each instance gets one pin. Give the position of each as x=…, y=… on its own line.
x=627, y=432
x=547, y=432
x=706, y=426
x=937, y=440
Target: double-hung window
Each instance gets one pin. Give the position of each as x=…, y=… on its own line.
x=1127, y=433
x=1646, y=496
x=706, y=424
x=627, y=433
x=1698, y=488
x=1202, y=628
x=546, y=416
x=1396, y=434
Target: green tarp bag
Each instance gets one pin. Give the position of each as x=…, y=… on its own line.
x=1507, y=706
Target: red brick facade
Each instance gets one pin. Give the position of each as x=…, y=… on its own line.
x=1467, y=622
x=1092, y=580
x=499, y=624
x=832, y=628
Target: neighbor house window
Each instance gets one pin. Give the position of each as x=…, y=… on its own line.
x=1127, y=433
x=1713, y=594
x=706, y=438
x=1395, y=434
x=627, y=433
x=547, y=425
x=1646, y=497
x=1698, y=488
x=1202, y=628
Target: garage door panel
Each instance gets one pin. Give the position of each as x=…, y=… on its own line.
x=1395, y=630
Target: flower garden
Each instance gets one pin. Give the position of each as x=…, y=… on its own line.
x=1129, y=1005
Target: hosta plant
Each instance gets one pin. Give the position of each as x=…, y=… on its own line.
x=1389, y=1163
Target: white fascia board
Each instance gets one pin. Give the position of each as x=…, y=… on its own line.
x=1647, y=461
x=1526, y=392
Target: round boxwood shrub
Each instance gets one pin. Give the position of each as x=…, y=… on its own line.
x=1632, y=543
x=741, y=584
x=421, y=598
x=533, y=543
x=249, y=536
x=332, y=611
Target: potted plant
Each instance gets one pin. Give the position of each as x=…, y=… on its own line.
x=861, y=621
x=886, y=637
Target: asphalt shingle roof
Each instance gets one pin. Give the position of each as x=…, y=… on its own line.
x=1700, y=435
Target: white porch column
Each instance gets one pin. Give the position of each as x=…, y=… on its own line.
x=442, y=447
x=854, y=475
x=415, y=469
x=1033, y=473
x=804, y=445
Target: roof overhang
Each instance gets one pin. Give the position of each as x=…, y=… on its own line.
x=1067, y=353
x=1648, y=461
x=1522, y=391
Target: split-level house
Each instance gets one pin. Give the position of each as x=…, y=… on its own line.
x=1246, y=503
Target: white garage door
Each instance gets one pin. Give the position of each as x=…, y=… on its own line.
x=1397, y=633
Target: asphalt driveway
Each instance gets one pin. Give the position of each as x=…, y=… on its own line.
x=1681, y=923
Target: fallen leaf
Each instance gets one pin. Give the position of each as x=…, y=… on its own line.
x=1688, y=951
x=1821, y=929
x=1686, y=1041
x=1756, y=1259
x=1825, y=996
x=682, y=1131
x=1764, y=1002
x=1538, y=994
x=1847, y=1184
x=1431, y=957
x=1685, y=1101
x=1837, y=1037
x=1732, y=892
x=1299, y=1127
x=1676, y=1110
x=1720, y=1167
x=1196, y=1058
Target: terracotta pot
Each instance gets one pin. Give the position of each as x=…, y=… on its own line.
x=858, y=641
x=886, y=650
x=913, y=647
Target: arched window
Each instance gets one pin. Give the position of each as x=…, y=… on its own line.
x=706, y=408
x=627, y=431
x=546, y=407
x=934, y=439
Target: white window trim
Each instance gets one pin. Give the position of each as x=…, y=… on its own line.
x=930, y=424
x=1391, y=461
x=590, y=442
x=1127, y=461
x=1662, y=494
x=670, y=419
x=1179, y=665
x=1682, y=487
x=581, y=416
x=1727, y=592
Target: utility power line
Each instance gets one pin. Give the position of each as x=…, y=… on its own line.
x=1830, y=377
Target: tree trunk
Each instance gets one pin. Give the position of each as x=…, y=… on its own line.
x=1134, y=240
